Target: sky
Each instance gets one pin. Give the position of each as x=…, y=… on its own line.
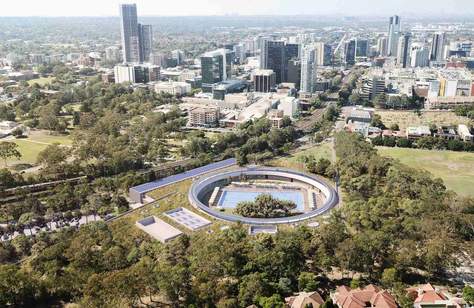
x=242, y=7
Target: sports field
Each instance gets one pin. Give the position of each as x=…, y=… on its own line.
x=456, y=169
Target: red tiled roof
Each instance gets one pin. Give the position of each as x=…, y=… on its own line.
x=361, y=298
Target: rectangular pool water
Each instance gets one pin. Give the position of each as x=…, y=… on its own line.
x=229, y=198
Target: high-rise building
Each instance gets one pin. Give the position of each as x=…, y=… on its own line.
x=216, y=66
x=129, y=32
x=136, y=73
x=350, y=52
x=404, y=49
x=419, y=56
x=437, y=47
x=294, y=72
x=308, y=68
x=323, y=54
x=112, y=54
x=275, y=55
x=263, y=80
x=362, y=47
x=394, y=29
x=178, y=55
x=137, y=39
x=145, y=39
x=382, y=46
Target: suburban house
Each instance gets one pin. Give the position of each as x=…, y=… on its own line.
x=305, y=299
x=427, y=296
x=370, y=296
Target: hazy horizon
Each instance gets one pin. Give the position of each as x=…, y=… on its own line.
x=151, y=8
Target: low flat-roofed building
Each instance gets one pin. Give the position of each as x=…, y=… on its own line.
x=465, y=133
x=415, y=132
x=359, y=115
x=158, y=229
x=173, y=87
x=449, y=102
x=189, y=219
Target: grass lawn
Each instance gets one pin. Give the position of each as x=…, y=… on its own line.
x=295, y=161
x=41, y=81
x=36, y=142
x=456, y=169
x=405, y=118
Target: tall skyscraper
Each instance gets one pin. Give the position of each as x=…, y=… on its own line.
x=323, y=54
x=404, y=49
x=362, y=47
x=308, y=68
x=216, y=66
x=394, y=29
x=145, y=39
x=129, y=31
x=437, y=47
x=350, y=52
x=382, y=44
x=137, y=39
x=420, y=56
x=275, y=55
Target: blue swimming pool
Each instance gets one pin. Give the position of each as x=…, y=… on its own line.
x=229, y=198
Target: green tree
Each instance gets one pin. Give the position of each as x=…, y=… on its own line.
x=9, y=150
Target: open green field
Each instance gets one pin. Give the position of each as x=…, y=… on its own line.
x=295, y=160
x=36, y=142
x=42, y=81
x=456, y=169
x=406, y=118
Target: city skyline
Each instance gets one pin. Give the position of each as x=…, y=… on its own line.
x=242, y=7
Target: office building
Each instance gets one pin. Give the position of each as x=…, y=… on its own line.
x=136, y=73
x=437, y=47
x=264, y=80
x=419, y=56
x=404, y=49
x=362, y=48
x=323, y=54
x=216, y=66
x=460, y=49
x=394, y=29
x=129, y=32
x=275, y=55
x=308, y=69
x=112, y=54
x=178, y=55
x=294, y=72
x=137, y=39
x=173, y=87
x=382, y=46
x=350, y=52
x=372, y=87
x=145, y=39
x=273, y=58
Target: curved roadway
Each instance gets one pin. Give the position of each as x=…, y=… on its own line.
x=330, y=193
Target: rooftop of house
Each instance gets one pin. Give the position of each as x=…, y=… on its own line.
x=370, y=296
